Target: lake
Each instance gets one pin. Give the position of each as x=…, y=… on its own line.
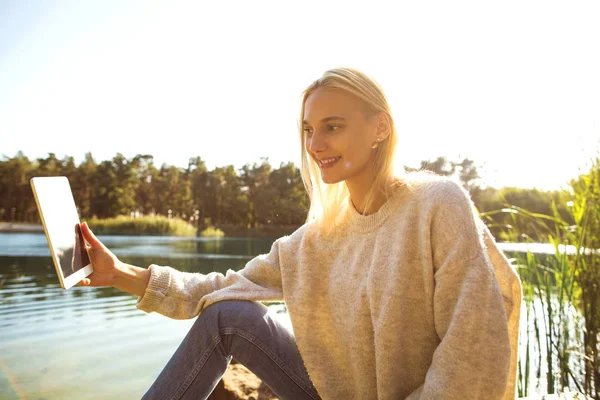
x=91, y=343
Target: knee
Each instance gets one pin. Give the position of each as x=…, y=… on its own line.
x=234, y=313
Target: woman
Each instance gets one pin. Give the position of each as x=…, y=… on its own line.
x=394, y=287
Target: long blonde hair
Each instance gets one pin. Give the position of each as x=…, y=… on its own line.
x=325, y=200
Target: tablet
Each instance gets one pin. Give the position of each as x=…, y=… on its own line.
x=59, y=217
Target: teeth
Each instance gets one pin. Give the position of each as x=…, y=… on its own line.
x=329, y=160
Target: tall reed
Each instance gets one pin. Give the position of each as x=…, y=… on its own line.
x=561, y=291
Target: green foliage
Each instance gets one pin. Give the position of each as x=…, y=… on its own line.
x=560, y=289
x=254, y=196
x=585, y=235
x=536, y=203
x=148, y=225
x=17, y=202
x=211, y=231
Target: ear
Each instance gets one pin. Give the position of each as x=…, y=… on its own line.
x=383, y=127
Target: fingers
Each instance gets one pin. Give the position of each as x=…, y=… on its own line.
x=89, y=236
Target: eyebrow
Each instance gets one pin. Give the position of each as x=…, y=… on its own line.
x=305, y=122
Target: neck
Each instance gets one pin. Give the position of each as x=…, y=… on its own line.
x=358, y=196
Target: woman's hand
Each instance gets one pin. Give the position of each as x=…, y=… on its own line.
x=109, y=270
x=104, y=262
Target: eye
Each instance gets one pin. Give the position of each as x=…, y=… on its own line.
x=307, y=132
x=334, y=128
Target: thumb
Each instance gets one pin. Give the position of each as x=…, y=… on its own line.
x=89, y=236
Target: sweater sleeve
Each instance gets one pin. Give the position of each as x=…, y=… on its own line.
x=182, y=295
x=472, y=359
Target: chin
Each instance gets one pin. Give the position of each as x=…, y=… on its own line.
x=330, y=180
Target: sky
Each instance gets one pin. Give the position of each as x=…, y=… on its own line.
x=513, y=85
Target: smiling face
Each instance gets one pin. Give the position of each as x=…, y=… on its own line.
x=339, y=136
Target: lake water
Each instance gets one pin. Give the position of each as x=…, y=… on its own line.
x=93, y=343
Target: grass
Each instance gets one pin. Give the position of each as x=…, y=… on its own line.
x=561, y=293
x=147, y=225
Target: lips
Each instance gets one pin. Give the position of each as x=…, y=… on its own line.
x=328, y=162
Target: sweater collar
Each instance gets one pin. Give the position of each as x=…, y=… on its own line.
x=367, y=223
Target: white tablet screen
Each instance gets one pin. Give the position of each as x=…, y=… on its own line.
x=61, y=222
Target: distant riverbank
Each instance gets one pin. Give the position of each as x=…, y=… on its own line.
x=268, y=231
x=18, y=227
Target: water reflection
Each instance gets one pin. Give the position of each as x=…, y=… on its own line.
x=49, y=336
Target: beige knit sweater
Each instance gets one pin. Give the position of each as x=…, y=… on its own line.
x=414, y=301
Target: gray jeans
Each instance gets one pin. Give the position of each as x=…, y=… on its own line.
x=234, y=329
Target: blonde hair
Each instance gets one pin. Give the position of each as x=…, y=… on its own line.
x=325, y=200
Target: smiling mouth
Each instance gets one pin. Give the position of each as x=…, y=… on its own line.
x=328, y=162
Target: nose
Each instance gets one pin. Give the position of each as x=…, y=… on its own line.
x=316, y=143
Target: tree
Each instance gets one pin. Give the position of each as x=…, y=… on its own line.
x=231, y=202
x=465, y=170
x=468, y=174
x=199, y=181
x=290, y=202
x=145, y=196
x=16, y=202
x=83, y=185
x=49, y=166
x=117, y=183
x=255, y=181
x=440, y=166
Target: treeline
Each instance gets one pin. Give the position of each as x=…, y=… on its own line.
x=251, y=196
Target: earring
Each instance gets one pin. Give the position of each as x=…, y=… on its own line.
x=376, y=144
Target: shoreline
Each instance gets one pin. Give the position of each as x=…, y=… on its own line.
x=229, y=230
x=20, y=227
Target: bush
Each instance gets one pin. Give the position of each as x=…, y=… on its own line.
x=148, y=225
x=211, y=231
